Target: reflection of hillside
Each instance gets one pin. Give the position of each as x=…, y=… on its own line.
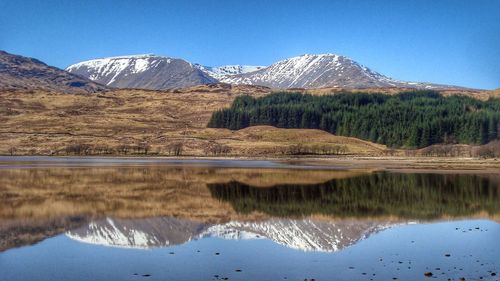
x=272, y=177
x=131, y=192
x=21, y=232
x=421, y=196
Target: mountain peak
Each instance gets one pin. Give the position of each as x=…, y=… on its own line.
x=319, y=55
x=137, y=56
x=322, y=56
x=146, y=71
x=314, y=71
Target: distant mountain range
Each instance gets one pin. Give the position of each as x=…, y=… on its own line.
x=162, y=73
x=306, y=71
x=300, y=234
x=23, y=73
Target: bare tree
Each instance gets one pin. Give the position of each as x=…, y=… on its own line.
x=12, y=150
x=217, y=149
x=103, y=149
x=175, y=149
x=78, y=149
x=123, y=149
x=142, y=148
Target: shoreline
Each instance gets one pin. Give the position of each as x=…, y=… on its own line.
x=394, y=164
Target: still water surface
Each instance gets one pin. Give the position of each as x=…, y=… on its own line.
x=155, y=219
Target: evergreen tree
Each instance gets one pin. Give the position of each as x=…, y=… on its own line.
x=410, y=119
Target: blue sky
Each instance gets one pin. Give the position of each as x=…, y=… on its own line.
x=450, y=42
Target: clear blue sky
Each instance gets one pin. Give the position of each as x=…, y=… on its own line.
x=450, y=42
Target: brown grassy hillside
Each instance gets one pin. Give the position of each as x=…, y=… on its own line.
x=133, y=121
x=157, y=122
x=478, y=94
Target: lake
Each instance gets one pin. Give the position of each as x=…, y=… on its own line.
x=161, y=219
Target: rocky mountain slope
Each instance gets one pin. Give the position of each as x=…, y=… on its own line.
x=223, y=73
x=305, y=71
x=23, y=73
x=142, y=72
x=300, y=234
x=321, y=71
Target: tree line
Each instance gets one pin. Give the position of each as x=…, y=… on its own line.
x=412, y=119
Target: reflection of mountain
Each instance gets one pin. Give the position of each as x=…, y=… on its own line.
x=138, y=233
x=421, y=196
x=304, y=234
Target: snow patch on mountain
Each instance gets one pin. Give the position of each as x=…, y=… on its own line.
x=143, y=72
x=116, y=65
x=311, y=71
x=221, y=73
x=322, y=71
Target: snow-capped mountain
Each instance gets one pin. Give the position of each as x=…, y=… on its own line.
x=305, y=71
x=319, y=71
x=223, y=73
x=301, y=234
x=142, y=71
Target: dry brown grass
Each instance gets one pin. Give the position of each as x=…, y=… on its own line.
x=45, y=123
x=478, y=94
x=495, y=93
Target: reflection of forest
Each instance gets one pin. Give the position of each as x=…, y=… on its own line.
x=415, y=196
x=132, y=192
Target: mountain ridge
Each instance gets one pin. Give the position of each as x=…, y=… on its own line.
x=311, y=71
x=221, y=72
x=306, y=71
x=25, y=73
x=142, y=71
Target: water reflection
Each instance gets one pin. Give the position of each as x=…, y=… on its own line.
x=131, y=192
x=222, y=194
x=301, y=234
x=201, y=222
x=36, y=203
x=414, y=196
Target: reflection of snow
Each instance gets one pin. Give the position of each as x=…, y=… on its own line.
x=305, y=234
x=108, y=234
